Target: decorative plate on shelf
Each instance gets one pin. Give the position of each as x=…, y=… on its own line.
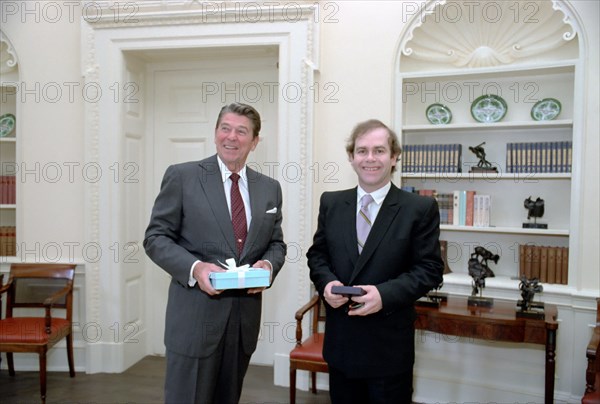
x=7, y=124
x=546, y=109
x=438, y=114
x=488, y=108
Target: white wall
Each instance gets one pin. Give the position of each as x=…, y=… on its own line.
x=358, y=41
x=52, y=176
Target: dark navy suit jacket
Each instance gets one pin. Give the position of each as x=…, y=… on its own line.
x=401, y=257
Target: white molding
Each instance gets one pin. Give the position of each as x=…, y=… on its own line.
x=138, y=14
x=92, y=193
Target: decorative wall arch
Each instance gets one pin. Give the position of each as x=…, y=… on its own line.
x=451, y=34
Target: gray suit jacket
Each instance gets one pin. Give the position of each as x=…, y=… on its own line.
x=190, y=221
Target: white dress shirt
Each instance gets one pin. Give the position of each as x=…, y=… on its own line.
x=378, y=197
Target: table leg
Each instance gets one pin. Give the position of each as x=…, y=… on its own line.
x=550, y=365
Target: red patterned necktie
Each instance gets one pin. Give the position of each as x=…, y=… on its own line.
x=238, y=214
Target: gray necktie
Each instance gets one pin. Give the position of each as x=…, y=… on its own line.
x=363, y=221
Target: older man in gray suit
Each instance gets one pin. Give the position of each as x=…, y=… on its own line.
x=211, y=334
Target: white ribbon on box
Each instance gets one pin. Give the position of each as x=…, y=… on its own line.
x=231, y=266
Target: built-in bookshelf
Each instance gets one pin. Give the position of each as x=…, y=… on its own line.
x=8, y=151
x=522, y=152
x=530, y=158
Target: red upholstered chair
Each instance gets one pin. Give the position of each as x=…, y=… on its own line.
x=35, y=289
x=592, y=374
x=308, y=354
x=1, y=283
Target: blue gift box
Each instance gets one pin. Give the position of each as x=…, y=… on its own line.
x=252, y=278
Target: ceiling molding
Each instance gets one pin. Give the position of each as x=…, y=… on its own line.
x=133, y=14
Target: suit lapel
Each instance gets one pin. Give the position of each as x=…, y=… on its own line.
x=390, y=208
x=257, y=204
x=212, y=185
x=348, y=228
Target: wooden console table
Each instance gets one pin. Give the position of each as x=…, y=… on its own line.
x=497, y=323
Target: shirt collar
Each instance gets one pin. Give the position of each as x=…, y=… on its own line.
x=378, y=195
x=226, y=172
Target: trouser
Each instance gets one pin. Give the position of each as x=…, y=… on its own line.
x=217, y=378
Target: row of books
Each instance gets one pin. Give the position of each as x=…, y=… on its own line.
x=8, y=241
x=534, y=157
x=539, y=157
x=431, y=158
x=8, y=186
x=461, y=207
x=548, y=264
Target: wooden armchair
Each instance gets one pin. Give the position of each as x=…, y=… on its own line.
x=308, y=354
x=592, y=374
x=37, y=287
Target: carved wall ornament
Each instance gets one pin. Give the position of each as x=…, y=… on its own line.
x=8, y=55
x=485, y=34
x=152, y=13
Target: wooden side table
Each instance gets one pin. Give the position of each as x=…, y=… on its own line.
x=497, y=323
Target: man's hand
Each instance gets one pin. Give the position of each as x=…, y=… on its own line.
x=201, y=272
x=371, y=301
x=334, y=300
x=263, y=265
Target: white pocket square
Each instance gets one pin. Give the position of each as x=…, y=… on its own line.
x=274, y=210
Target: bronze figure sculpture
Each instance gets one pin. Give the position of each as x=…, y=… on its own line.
x=483, y=165
x=479, y=270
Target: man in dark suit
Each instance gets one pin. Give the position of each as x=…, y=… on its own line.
x=369, y=339
x=211, y=334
